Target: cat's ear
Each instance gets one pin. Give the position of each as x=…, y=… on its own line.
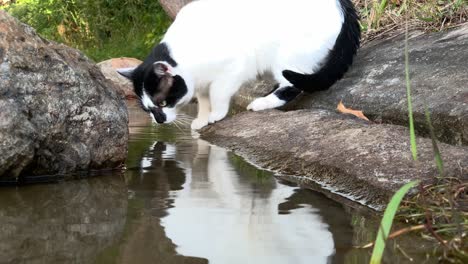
x=126, y=72
x=162, y=68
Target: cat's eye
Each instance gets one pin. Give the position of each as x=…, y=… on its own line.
x=163, y=104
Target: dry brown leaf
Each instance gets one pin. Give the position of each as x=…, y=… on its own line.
x=342, y=109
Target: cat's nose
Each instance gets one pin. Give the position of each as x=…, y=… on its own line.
x=158, y=114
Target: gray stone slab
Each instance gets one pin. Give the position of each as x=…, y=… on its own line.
x=360, y=160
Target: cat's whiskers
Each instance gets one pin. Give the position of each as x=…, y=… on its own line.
x=185, y=116
x=175, y=123
x=182, y=123
x=184, y=119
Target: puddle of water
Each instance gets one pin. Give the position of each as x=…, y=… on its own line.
x=181, y=200
x=215, y=207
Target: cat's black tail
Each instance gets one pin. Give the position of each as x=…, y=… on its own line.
x=338, y=60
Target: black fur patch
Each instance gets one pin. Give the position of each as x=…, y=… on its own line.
x=287, y=93
x=338, y=60
x=145, y=78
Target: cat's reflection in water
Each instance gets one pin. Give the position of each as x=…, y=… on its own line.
x=227, y=216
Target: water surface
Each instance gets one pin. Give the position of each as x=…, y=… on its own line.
x=180, y=200
x=216, y=208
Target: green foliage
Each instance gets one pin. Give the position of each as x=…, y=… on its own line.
x=378, y=9
x=102, y=29
x=387, y=222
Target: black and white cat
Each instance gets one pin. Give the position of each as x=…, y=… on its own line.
x=214, y=46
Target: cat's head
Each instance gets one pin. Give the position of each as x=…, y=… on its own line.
x=161, y=88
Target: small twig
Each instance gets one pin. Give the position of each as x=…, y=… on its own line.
x=443, y=24
x=397, y=234
x=460, y=190
x=404, y=253
x=429, y=218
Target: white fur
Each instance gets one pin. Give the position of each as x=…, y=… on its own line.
x=224, y=43
x=204, y=109
x=171, y=114
x=146, y=100
x=267, y=102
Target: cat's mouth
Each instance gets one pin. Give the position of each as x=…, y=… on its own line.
x=158, y=115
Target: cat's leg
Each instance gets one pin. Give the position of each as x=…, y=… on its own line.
x=221, y=92
x=279, y=97
x=204, y=109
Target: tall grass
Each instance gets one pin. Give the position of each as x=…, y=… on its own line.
x=435, y=146
x=436, y=203
x=414, y=148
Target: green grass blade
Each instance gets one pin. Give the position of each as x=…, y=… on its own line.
x=383, y=5
x=414, y=149
x=387, y=221
x=435, y=146
x=379, y=8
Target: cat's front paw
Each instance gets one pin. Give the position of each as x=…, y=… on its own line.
x=215, y=117
x=199, y=123
x=263, y=103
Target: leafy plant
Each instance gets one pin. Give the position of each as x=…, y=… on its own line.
x=378, y=9
x=102, y=29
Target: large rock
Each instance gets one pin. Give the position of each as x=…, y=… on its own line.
x=123, y=85
x=58, y=114
x=357, y=159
